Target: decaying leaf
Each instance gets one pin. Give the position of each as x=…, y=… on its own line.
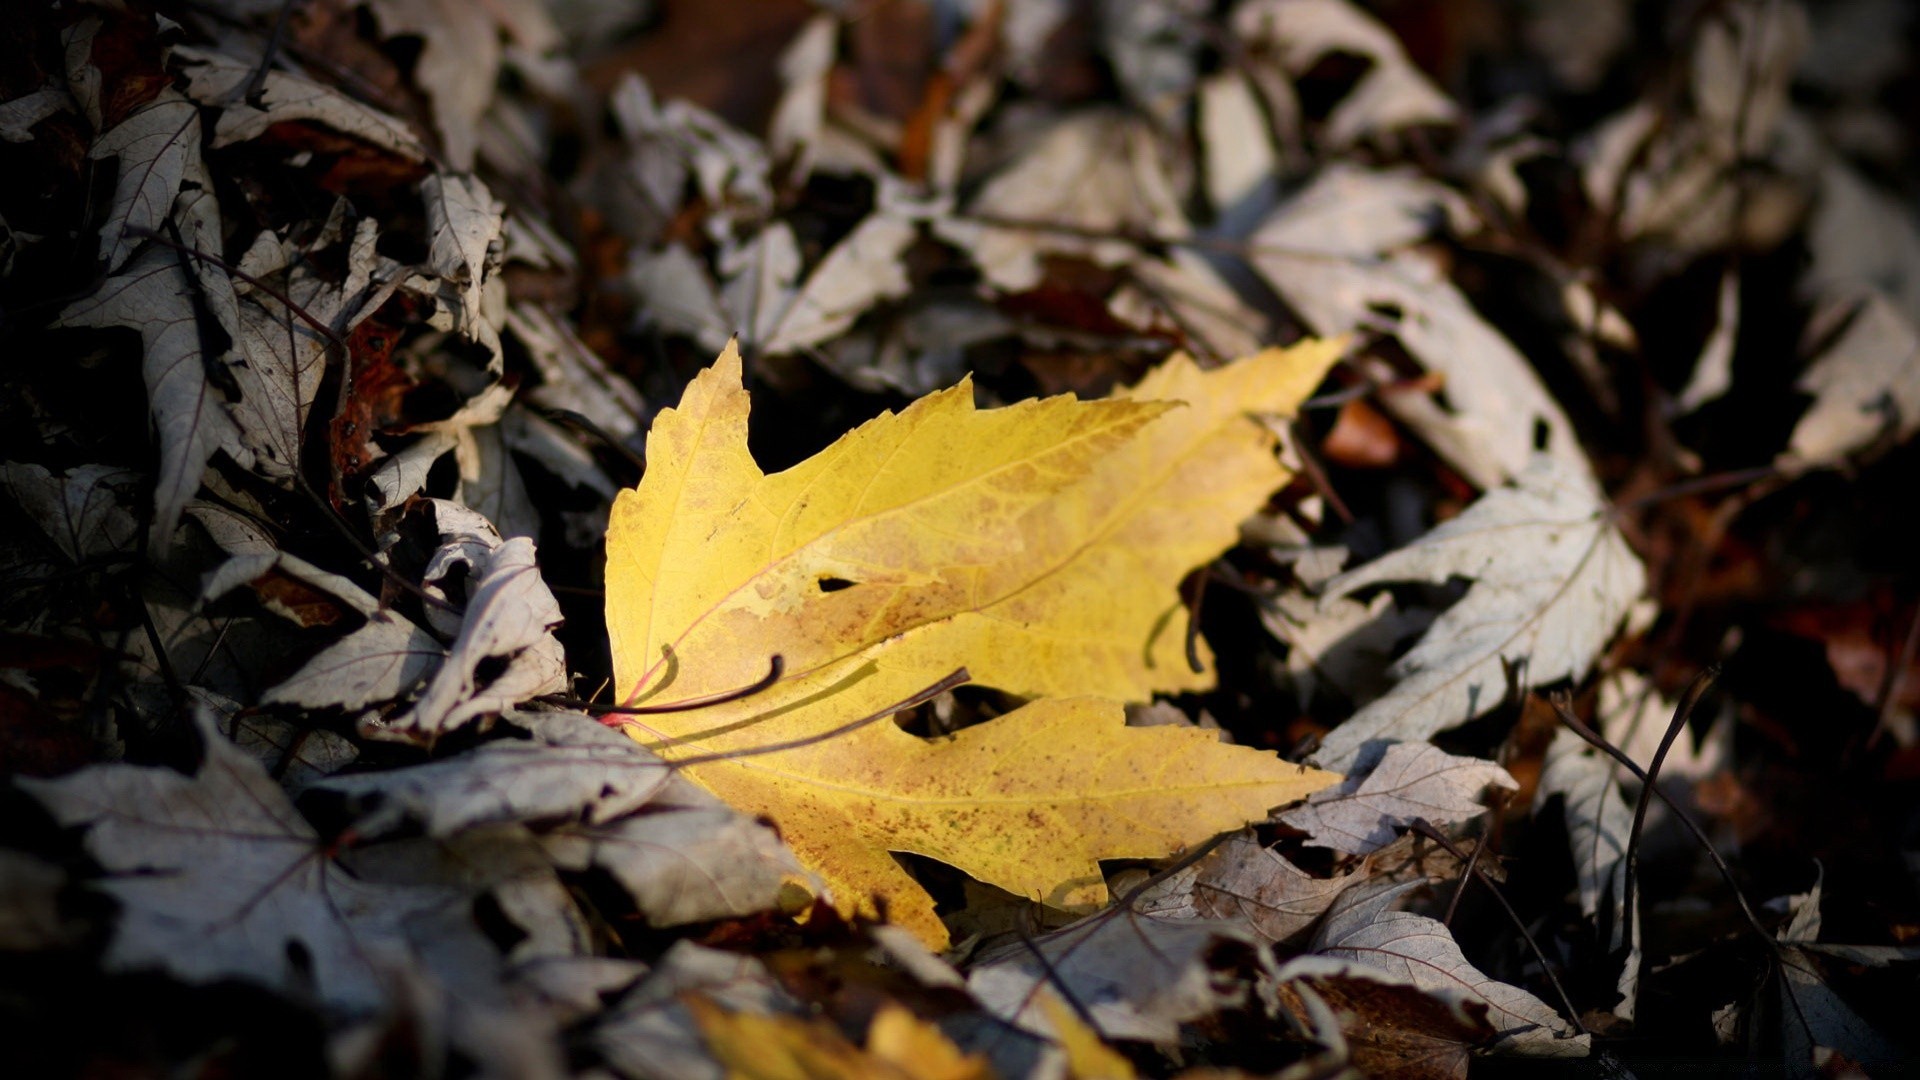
x=759, y=1046
x=504, y=652
x=1420, y=951
x=1551, y=580
x=1245, y=881
x=1411, y=782
x=1138, y=978
x=1044, y=556
x=1383, y=1025
x=219, y=877
x=1866, y=387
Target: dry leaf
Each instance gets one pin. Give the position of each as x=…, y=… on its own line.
x=1138, y=978
x=1392, y=94
x=1412, y=781
x=1245, y=881
x=505, y=651
x=1039, y=545
x=219, y=877
x=1866, y=388
x=651, y=1033
x=1382, y=1025
x=1551, y=580
x=1598, y=822
x=1421, y=952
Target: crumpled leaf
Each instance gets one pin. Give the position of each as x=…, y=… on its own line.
x=460, y=58
x=465, y=242
x=1004, y=558
x=19, y=115
x=219, y=877
x=1411, y=781
x=1137, y=978
x=1551, y=580
x=600, y=801
x=505, y=651
x=1420, y=951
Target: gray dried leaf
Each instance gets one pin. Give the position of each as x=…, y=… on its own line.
x=466, y=241
x=1493, y=398
x=1087, y=183
x=1138, y=978
x=1248, y=883
x=1866, y=388
x=219, y=877
x=84, y=512
x=1392, y=94
x=573, y=768
x=383, y=660
x=506, y=627
x=1552, y=578
x=215, y=78
x=1599, y=821
x=158, y=148
x=687, y=858
x=154, y=293
x=650, y=1035
x=1411, y=782
x=18, y=117
x=1362, y=927
x=859, y=272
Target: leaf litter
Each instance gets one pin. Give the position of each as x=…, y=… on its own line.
x=407, y=630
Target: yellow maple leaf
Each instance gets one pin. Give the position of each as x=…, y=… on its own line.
x=1039, y=546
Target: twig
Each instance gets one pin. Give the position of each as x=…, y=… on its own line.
x=1683, y=713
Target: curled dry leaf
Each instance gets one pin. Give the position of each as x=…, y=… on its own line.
x=1040, y=546
x=1551, y=579
x=505, y=652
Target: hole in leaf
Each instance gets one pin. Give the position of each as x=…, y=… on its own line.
x=834, y=584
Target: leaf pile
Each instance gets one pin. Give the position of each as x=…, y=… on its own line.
x=915, y=539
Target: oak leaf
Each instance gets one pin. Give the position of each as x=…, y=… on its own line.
x=1039, y=545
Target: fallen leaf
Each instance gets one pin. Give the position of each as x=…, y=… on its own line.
x=1411, y=782
x=763, y=1046
x=154, y=293
x=505, y=651
x=1421, y=952
x=84, y=512
x=1552, y=578
x=1137, y=978
x=1392, y=94
x=894, y=556
x=220, y=80
x=1247, y=882
x=219, y=877
x=1598, y=823
x=158, y=150
x=1340, y=253
x=651, y=1033
x=1384, y=1026
x=1866, y=388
